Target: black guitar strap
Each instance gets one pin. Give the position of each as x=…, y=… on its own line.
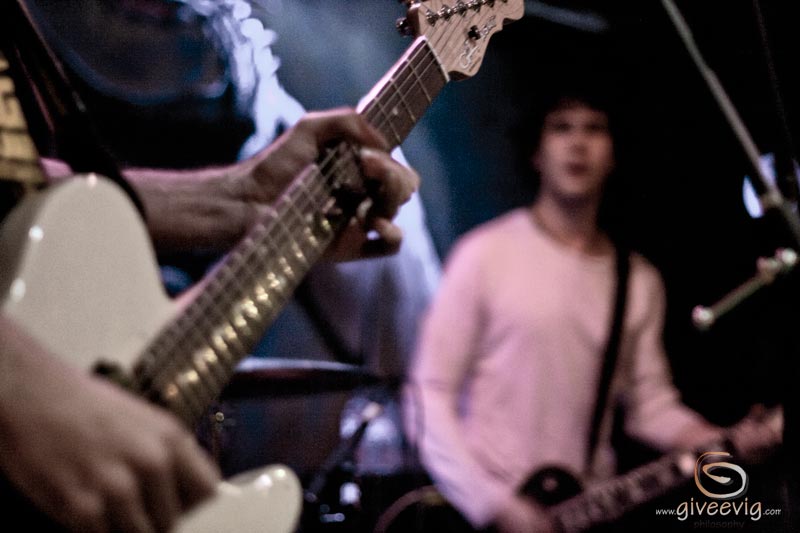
x=612, y=350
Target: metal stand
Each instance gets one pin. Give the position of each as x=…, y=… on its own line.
x=769, y=195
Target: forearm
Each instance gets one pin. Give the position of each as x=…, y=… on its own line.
x=211, y=209
x=443, y=447
x=194, y=210
x=204, y=209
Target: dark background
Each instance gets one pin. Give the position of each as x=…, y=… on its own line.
x=681, y=168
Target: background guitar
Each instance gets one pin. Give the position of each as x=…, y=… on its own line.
x=576, y=508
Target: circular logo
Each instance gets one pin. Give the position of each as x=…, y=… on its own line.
x=719, y=473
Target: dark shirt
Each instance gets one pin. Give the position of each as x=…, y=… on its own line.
x=156, y=78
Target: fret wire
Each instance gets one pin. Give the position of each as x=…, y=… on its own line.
x=278, y=226
x=638, y=485
x=337, y=160
x=175, y=403
x=299, y=251
x=212, y=371
x=219, y=291
x=295, y=222
x=396, y=97
x=160, y=354
x=226, y=278
x=251, y=258
x=186, y=358
x=388, y=121
x=307, y=217
x=419, y=81
x=199, y=396
x=212, y=321
x=17, y=149
x=422, y=48
x=403, y=99
x=428, y=61
x=313, y=213
x=190, y=402
x=234, y=350
x=403, y=75
x=182, y=352
x=420, y=52
x=346, y=167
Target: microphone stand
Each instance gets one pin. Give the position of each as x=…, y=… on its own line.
x=769, y=195
x=315, y=516
x=768, y=269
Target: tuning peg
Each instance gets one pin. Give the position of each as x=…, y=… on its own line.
x=446, y=12
x=404, y=27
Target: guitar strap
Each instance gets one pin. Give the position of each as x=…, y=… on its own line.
x=612, y=350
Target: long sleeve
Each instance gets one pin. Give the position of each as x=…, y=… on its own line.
x=441, y=372
x=655, y=413
x=370, y=307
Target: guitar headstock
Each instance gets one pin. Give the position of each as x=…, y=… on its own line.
x=459, y=33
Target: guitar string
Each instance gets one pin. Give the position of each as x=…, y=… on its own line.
x=316, y=187
x=189, y=358
x=414, y=77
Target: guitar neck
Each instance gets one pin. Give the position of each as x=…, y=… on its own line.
x=610, y=500
x=191, y=360
x=403, y=95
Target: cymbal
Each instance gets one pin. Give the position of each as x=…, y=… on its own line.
x=257, y=377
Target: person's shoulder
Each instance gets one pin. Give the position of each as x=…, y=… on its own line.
x=488, y=238
x=505, y=226
x=644, y=271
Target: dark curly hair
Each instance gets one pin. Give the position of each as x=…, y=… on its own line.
x=565, y=92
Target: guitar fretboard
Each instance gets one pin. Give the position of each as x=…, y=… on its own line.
x=189, y=363
x=19, y=159
x=612, y=499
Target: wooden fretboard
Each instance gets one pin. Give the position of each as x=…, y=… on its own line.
x=19, y=159
x=190, y=361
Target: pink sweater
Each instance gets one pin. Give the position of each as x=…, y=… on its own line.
x=505, y=375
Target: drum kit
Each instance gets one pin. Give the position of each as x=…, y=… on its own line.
x=336, y=424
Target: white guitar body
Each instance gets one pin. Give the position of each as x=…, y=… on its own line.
x=78, y=272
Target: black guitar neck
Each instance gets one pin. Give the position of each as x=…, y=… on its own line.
x=610, y=500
